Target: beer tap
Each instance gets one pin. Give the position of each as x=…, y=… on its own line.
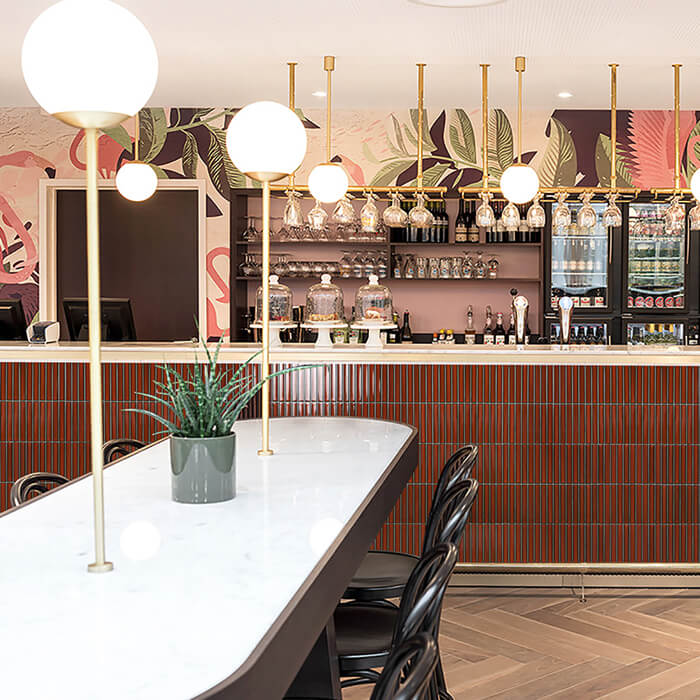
x=566, y=306
x=520, y=308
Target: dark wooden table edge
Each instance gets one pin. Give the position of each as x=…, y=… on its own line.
x=270, y=669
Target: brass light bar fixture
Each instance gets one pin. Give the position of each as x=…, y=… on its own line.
x=485, y=125
x=407, y=189
x=419, y=174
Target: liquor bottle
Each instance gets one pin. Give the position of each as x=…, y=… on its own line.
x=435, y=338
x=461, y=227
x=488, y=331
x=473, y=232
x=441, y=336
x=470, y=331
x=449, y=337
x=499, y=333
x=445, y=223
x=500, y=226
x=406, y=335
x=427, y=234
x=511, y=329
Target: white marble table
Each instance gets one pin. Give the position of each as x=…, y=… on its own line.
x=228, y=596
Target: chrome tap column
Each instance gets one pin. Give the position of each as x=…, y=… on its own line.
x=520, y=308
x=566, y=307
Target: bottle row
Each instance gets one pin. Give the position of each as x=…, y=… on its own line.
x=581, y=334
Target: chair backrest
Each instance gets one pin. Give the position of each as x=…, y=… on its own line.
x=32, y=484
x=119, y=448
x=457, y=468
x=448, y=518
x=421, y=601
x=408, y=670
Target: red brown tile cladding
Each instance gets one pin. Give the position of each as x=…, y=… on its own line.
x=576, y=464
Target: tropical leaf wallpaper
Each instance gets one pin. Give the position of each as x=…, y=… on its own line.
x=566, y=147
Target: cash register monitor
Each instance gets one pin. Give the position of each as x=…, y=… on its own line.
x=12, y=323
x=117, y=319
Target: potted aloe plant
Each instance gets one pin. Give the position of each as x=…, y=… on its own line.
x=203, y=407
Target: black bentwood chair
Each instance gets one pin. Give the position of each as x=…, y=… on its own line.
x=384, y=574
x=33, y=484
x=367, y=633
x=408, y=670
x=120, y=447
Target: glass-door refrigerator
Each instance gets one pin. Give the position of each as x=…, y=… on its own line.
x=660, y=280
x=579, y=263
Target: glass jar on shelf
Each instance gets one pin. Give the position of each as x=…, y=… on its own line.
x=421, y=268
x=480, y=270
x=382, y=265
x=324, y=302
x=409, y=268
x=492, y=268
x=434, y=268
x=467, y=267
x=280, y=302
x=445, y=268
x=456, y=268
x=345, y=264
x=373, y=303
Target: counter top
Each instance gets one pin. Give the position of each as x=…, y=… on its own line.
x=198, y=592
x=357, y=354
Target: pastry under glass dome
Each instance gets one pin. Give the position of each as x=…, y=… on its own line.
x=280, y=302
x=324, y=302
x=374, y=303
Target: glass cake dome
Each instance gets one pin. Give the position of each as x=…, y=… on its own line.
x=324, y=302
x=374, y=303
x=280, y=302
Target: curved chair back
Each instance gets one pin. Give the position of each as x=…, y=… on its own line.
x=421, y=601
x=408, y=670
x=32, y=484
x=457, y=468
x=448, y=519
x=119, y=448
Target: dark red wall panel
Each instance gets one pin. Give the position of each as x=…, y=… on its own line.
x=576, y=463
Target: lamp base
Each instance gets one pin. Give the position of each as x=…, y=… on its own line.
x=86, y=119
x=100, y=568
x=265, y=453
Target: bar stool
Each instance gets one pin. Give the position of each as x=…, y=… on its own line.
x=408, y=670
x=383, y=574
x=366, y=633
x=32, y=484
x=120, y=447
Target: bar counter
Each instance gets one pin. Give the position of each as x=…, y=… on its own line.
x=586, y=454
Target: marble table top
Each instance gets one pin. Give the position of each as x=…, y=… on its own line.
x=195, y=588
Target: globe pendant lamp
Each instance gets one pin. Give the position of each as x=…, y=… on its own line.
x=519, y=182
x=266, y=141
x=136, y=180
x=328, y=182
x=73, y=70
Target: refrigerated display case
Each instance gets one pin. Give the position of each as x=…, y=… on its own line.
x=667, y=330
x=584, y=331
x=578, y=264
x=655, y=271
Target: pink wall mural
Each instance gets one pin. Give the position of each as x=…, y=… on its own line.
x=567, y=147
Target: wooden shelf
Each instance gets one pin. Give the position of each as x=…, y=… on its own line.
x=466, y=245
x=510, y=280
x=345, y=243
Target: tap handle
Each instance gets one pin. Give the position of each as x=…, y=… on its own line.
x=566, y=307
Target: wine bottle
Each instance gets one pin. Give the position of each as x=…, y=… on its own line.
x=445, y=222
x=461, y=227
x=470, y=331
x=499, y=333
x=511, y=330
x=488, y=331
x=427, y=234
x=406, y=335
x=473, y=232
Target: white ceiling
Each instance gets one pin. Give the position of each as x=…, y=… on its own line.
x=217, y=52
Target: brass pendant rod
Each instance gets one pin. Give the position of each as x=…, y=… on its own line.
x=265, y=356
x=137, y=135
x=292, y=101
x=329, y=67
x=419, y=175
x=613, y=126
x=100, y=565
x=677, y=125
x=520, y=69
x=485, y=123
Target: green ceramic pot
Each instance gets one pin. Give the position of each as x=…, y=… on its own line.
x=203, y=469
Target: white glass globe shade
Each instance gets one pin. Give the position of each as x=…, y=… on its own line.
x=136, y=181
x=519, y=183
x=266, y=141
x=695, y=184
x=328, y=182
x=89, y=56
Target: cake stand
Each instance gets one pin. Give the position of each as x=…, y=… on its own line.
x=374, y=339
x=324, y=328
x=275, y=328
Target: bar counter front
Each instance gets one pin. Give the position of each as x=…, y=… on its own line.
x=587, y=454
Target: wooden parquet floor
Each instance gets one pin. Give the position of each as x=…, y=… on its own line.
x=533, y=643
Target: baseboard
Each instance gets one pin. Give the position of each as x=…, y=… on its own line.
x=556, y=580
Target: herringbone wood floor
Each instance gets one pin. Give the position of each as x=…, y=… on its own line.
x=521, y=643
